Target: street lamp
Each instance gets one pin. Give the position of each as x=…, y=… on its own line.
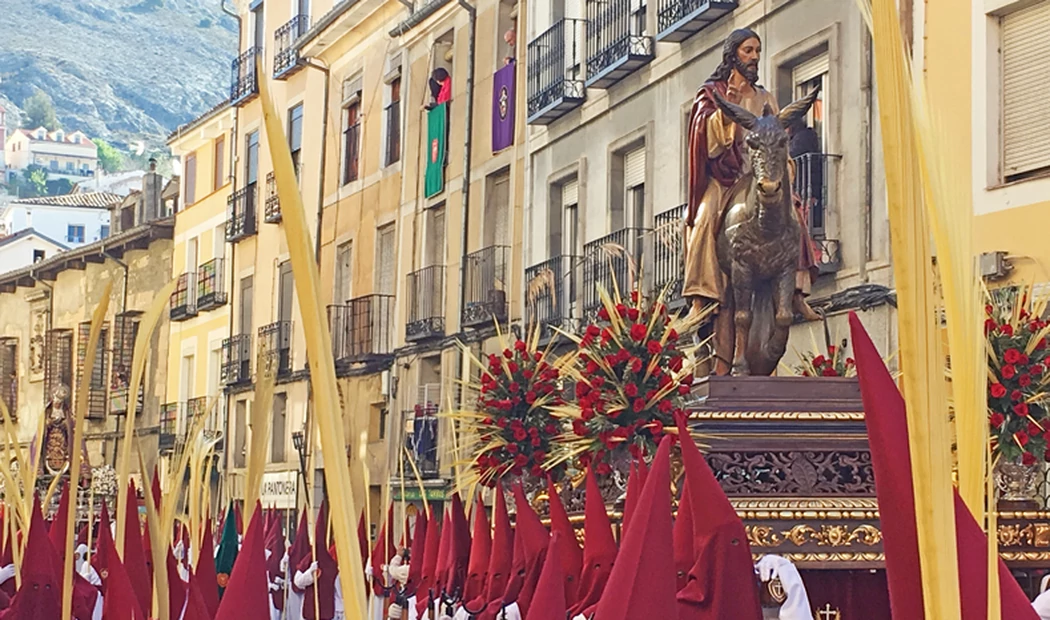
x=299, y=441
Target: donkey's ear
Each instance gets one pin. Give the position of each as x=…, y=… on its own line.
x=797, y=109
x=738, y=114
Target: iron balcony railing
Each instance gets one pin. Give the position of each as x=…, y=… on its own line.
x=555, y=71
x=612, y=261
x=240, y=211
x=677, y=20
x=275, y=348
x=169, y=426
x=244, y=83
x=426, y=303
x=421, y=443
x=184, y=298
x=616, y=41
x=196, y=409
x=815, y=187
x=362, y=329
x=286, y=55
x=668, y=253
x=272, y=212
x=211, y=285
x=551, y=288
x=237, y=359
x=486, y=281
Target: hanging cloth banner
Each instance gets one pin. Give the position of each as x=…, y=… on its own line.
x=437, y=149
x=503, y=97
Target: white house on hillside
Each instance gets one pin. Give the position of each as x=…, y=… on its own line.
x=26, y=247
x=69, y=155
x=73, y=219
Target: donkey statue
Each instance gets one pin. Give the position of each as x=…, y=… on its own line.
x=759, y=243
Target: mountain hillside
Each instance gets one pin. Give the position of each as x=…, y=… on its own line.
x=123, y=70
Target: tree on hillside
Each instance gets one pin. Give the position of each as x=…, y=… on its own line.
x=39, y=111
x=36, y=178
x=109, y=158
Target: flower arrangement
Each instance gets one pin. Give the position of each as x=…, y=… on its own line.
x=104, y=481
x=831, y=363
x=631, y=379
x=1017, y=375
x=514, y=422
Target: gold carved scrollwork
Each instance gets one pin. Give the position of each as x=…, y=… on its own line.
x=834, y=535
x=1014, y=535
x=762, y=536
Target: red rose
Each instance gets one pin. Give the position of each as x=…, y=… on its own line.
x=537, y=356
x=1007, y=330
x=621, y=310
x=1034, y=430
x=597, y=382
x=1016, y=395
x=1012, y=356
x=830, y=372
x=1021, y=409
x=634, y=296
x=1028, y=458
x=632, y=313
x=672, y=336
x=636, y=366
x=502, y=422
x=819, y=360
x=550, y=429
x=683, y=389
x=638, y=332
x=603, y=314
x=1046, y=456
x=579, y=427
x=654, y=347
x=990, y=325
x=638, y=405
x=520, y=434
x=1024, y=359
x=606, y=335
x=530, y=397
x=1008, y=371
x=512, y=367
x=664, y=406
x=519, y=346
x=582, y=388
x=1036, y=369
x=675, y=364
x=587, y=414
x=997, y=390
x=512, y=448
x=603, y=469
x=521, y=460
x=528, y=374
x=631, y=390
x=656, y=427
x=1024, y=380
x=1022, y=438
x=535, y=441
x=592, y=367
x=635, y=451
x=507, y=353
x=593, y=330
x=996, y=419
x=988, y=308
x=1039, y=346
x=513, y=388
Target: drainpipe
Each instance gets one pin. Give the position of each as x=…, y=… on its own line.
x=467, y=148
x=866, y=85
x=123, y=309
x=316, y=64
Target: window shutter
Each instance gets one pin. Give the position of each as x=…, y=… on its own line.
x=634, y=168
x=1025, y=56
x=570, y=194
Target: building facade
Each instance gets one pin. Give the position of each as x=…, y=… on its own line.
x=64, y=154
x=26, y=247
x=73, y=219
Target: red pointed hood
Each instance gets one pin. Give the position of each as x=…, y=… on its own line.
x=134, y=555
x=301, y=545
x=206, y=575
x=459, y=548
x=502, y=552
x=246, y=594
x=177, y=588
x=57, y=534
x=100, y=559
x=82, y=535
x=381, y=552
x=196, y=609
x=480, y=550
x=275, y=547
x=39, y=598
x=548, y=603
x=635, y=483
x=722, y=556
x=441, y=576
x=329, y=570
x=533, y=539
x=415, y=562
x=238, y=519
x=683, y=537
x=571, y=553
x=431, y=551
x=120, y=601
x=642, y=584
x=599, y=548
x=155, y=489
x=362, y=539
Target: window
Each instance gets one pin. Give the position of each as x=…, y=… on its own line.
x=808, y=143
x=280, y=410
x=191, y=255
x=435, y=240
x=285, y=290
x=220, y=161
x=1026, y=142
x=97, y=403
x=496, y=209
x=246, y=305
x=39, y=255
x=103, y=231
x=393, y=123
x=351, y=142
x=54, y=164
x=190, y=174
x=341, y=290
x=807, y=76
x=69, y=166
x=58, y=363
x=75, y=233
x=9, y=374
x=240, y=436
x=506, y=32
x=295, y=136
x=570, y=198
x=218, y=241
x=258, y=26
x=386, y=247
x=631, y=210
x=251, y=160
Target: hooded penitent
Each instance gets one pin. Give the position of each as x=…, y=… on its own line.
x=134, y=555
x=275, y=547
x=534, y=539
x=480, y=550
x=549, y=600
x=599, y=549
x=228, y=549
x=570, y=553
x=428, y=581
x=246, y=593
x=205, y=574
x=324, y=582
x=39, y=597
x=683, y=538
x=415, y=562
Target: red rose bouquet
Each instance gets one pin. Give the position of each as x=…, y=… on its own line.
x=514, y=422
x=1017, y=375
x=631, y=379
x=831, y=363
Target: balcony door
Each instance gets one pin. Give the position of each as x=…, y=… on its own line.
x=251, y=160
x=246, y=305
x=286, y=292
x=497, y=210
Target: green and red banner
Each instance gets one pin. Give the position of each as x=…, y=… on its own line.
x=436, y=150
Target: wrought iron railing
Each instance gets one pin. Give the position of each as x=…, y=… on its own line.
x=272, y=209
x=286, y=55
x=668, y=253
x=361, y=329
x=169, y=426
x=211, y=285
x=275, y=348
x=615, y=33
x=551, y=288
x=486, y=281
x=555, y=67
x=421, y=443
x=612, y=261
x=244, y=83
x=240, y=211
x=184, y=298
x=677, y=20
x=237, y=359
x=815, y=186
x=426, y=303
x=193, y=410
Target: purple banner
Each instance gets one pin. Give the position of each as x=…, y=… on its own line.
x=503, y=108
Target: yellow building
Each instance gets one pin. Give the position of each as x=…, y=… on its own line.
x=980, y=70
x=199, y=311
x=45, y=314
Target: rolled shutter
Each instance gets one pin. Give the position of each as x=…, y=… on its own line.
x=570, y=194
x=1026, y=79
x=634, y=168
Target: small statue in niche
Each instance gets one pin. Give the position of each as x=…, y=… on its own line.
x=58, y=431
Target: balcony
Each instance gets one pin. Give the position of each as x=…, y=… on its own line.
x=555, y=72
x=211, y=285
x=169, y=423
x=486, y=282
x=616, y=41
x=214, y=420
x=421, y=442
x=184, y=298
x=361, y=329
x=240, y=211
x=272, y=209
x=612, y=262
x=286, y=55
x=668, y=254
x=551, y=290
x=244, y=83
x=677, y=20
x=815, y=187
x=426, y=304
x=237, y=360
x=275, y=348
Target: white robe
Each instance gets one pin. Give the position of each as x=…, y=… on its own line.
x=1041, y=604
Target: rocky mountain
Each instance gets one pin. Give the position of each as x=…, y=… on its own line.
x=123, y=70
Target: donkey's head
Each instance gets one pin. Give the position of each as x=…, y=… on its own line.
x=766, y=142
